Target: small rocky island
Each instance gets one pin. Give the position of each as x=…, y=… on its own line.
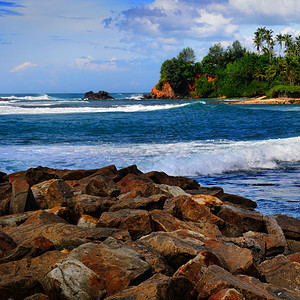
x=124, y=234
x=101, y=95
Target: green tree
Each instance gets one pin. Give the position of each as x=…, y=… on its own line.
x=280, y=40
x=187, y=56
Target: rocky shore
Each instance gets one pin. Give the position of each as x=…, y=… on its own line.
x=123, y=234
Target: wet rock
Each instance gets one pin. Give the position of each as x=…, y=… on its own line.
x=36, y=175
x=240, y=201
x=216, y=279
x=22, y=198
x=117, y=265
x=71, y=279
x=290, y=226
x=38, y=296
x=244, y=220
x=101, y=95
x=157, y=287
x=182, y=182
x=212, y=191
x=137, y=221
x=146, y=203
x=281, y=272
x=128, y=170
x=51, y=193
x=2, y=177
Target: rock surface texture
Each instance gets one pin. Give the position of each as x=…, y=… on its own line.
x=122, y=234
x=101, y=95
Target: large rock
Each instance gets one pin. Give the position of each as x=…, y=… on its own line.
x=5, y=197
x=165, y=92
x=61, y=234
x=7, y=244
x=281, y=272
x=71, y=279
x=101, y=95
x=22, y=198
x=36, y=175
x=164, y=221
x=118, y=266
x=91, y=205
x=240, y=201
x=146, y=203
x=22, y=278
x=290, y=226
x=133, y=186
x=136, y=221
x=102, y=187
x=177, y=247
x=216, y=279
x=239, y=220
x=182, y=182
x=157, y=287
x=51, y=193
x=186, y=208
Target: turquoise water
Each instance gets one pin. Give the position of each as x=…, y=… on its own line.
x=253, y=151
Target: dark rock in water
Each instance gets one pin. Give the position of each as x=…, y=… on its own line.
x=101, y=95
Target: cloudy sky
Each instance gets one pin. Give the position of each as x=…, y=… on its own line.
x=119, y=45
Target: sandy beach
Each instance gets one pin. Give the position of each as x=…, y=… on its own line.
x=261, y=100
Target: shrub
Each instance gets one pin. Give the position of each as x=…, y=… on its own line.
x=286, y=91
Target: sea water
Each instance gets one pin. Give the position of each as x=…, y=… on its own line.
x=249, y=150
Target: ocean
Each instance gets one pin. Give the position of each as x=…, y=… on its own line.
x=248, y=150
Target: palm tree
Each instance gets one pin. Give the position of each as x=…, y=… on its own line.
x=287, y=41
x=280, y=40
x=259, y=37
x=269, y=38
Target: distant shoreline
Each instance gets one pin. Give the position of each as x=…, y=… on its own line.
x=261, y=100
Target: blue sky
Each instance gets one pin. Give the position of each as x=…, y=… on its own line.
x=119, y=45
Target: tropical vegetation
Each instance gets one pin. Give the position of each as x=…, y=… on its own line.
x=236, y=71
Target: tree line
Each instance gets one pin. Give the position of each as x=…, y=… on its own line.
x=235, y=71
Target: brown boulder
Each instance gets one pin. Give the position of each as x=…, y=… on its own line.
x=195, y=267
x=87, y=221
x=212, y=191
x=157, y=287
x=240, y=201
x=244, y=220
x=7, y=244
x=38, y=296
x=5, y=197
x=146, y=203
x=137, y=186
x=216, y=279
x=20, y=279
x=51, y=193
x=36, y=175
x=137, y=221
x=101, y=95
x=102, y=187
x=22, y=198
x=71, y=279
x=164, y=221
x=187, y=209
x=91, y=205
x=281, y=272
x=62, y=235
x=128, y=170
x=290, y=226
x=177, y=247
x=118, y=266
x=182, y=182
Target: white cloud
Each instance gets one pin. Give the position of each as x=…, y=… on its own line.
x=26, y=65
x=91, y=64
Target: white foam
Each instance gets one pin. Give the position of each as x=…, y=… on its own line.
x=34, y=98
x=184, y=159
x=20, y=110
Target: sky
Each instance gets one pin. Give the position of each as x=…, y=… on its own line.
x=65, y=46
